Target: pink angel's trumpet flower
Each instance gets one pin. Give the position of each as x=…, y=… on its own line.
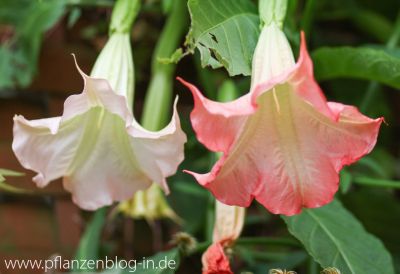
x=283, y=143
x=97, y=146
x=228, y=225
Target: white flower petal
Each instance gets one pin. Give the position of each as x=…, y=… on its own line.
x=98, y=147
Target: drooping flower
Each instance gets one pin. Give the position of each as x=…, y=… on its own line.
x=228, y=225
x=283, y=144
x=97, y=146
x=149, y=204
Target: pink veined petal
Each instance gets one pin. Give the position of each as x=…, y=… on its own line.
x=210, y=119
x=289, y=154
x=305, y=84
x=101, y=152
x=289, y=148
x=215, y=261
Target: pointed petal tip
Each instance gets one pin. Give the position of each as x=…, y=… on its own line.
x=303, y=41
x=303, y=35
x=83, y=74
x=19, y=119
x=189, y=172
x=176, y=100
x=199, y=177
x=183, y=82
x=193, y=89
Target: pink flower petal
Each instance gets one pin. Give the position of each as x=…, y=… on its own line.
x=215, y=261
x=284, y=146
x=210, y=118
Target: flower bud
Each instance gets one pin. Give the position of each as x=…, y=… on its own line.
x=149, y=204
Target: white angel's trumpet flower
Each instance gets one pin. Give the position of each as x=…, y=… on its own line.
x=96, y=145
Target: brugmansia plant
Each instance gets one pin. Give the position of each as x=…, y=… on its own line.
x=304, y=159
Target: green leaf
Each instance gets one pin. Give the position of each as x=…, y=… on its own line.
x=395, y=52
x=29, y=20
x=225, y=32
x=362, y=63
x=11, y=173
x=74, y=16
x=385, y=226
x=372, y=23
x=88, y=248
x=377, y=182
x=335, y=238
x=345, y=181
x=12, y=189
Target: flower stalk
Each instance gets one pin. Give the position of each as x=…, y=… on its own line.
x=123, y=15
x=272, y=11
x=159, y=94
x=115, y=62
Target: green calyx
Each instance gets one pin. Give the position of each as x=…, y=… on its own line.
x=123, y=15
x=272, y=11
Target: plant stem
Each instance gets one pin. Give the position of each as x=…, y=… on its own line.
x=308, y=16
x=210, y=218
x=123, y=15
x=312, y=266
x=272, y=11
x=159, y=93
x=267, y=241
x=373, y=87
x=376, y=182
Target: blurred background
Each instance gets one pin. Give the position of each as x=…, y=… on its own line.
x=37, y=74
